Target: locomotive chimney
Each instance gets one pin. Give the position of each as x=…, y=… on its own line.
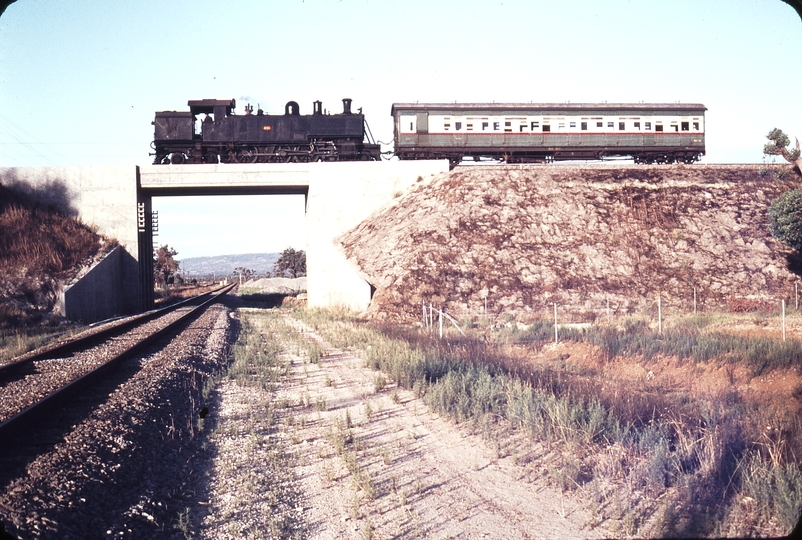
x=347, y=105
x=317, y=107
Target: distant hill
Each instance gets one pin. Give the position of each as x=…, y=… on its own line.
x=224, y=265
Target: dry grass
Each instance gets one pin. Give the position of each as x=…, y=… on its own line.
x=624, y=443
x=38, y=247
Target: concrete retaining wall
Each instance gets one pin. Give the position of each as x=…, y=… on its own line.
x=96, y=295
x=104, y=197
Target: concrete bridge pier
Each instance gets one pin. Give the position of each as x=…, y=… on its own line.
x=341, y=196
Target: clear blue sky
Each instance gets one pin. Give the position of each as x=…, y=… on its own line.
x=80, y=80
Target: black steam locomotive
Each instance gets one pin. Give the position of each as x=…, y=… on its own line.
x=224, y=137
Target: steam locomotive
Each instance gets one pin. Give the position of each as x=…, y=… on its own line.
x=507, y=132
x=224, y=137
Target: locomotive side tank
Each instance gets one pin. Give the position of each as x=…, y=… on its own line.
x=250, y=138
x=527, y=132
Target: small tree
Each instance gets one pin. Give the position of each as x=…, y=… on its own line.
x=165, y=265
x=291, y=262
x=242, y=274
x=785, y=218
x=778, y=146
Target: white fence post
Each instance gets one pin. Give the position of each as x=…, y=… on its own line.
x=659, y=315
x=441, y=323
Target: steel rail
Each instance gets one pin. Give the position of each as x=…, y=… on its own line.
x=25, y=418
x=69, y=347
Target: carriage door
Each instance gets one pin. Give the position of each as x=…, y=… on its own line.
x=408, y=129
x=422, y=120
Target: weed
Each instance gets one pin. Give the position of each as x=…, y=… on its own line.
x=314, y=352
x=368, y=410
x=184, y=523
x=367, y=529
x=379, y=382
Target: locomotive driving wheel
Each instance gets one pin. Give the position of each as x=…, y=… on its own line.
x=246, y=154
x=178, y=158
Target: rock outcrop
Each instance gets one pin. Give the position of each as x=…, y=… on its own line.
x=592, y=238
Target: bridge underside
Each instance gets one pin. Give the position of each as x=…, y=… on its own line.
x=338, y=197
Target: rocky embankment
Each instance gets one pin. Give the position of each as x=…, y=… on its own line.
x=594, y=239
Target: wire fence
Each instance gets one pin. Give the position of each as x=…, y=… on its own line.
x=574, y=316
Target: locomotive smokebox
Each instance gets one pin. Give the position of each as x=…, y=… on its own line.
x=347, y=105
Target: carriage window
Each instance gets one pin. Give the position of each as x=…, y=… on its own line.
x=696, y=126
x=610, y=124
x=484, y=126
x=647, y=126
x=674, y=127
x=522, y=128
x=535, y=125
x=572, y=124
x=546, y=127
x=507, y=126
x=584, y=126
x=446, y=126
x=458, y=125
x=495, y=126
x=411, y=127
x=658, y=127
x=469, y=127
x=599, y=124
x=637, y=126
x=686, y=126
x=621, y=126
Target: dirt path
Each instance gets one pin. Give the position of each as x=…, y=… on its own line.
x=373, y=462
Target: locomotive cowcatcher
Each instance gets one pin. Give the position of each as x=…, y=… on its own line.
x=225, y=137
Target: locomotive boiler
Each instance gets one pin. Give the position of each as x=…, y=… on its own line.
x=210, y=132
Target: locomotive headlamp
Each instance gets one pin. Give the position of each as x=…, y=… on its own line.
x=267, y=128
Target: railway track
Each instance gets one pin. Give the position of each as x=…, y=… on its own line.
x=41, y=383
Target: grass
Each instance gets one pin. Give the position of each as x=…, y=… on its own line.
x=38, y=245
x=703, y=452
x=257, y=364
x=15, y=342
x=686, y=339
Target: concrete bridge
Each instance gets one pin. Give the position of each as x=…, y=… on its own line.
x=117, y=201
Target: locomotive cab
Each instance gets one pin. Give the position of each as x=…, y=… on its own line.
x=219, y=108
